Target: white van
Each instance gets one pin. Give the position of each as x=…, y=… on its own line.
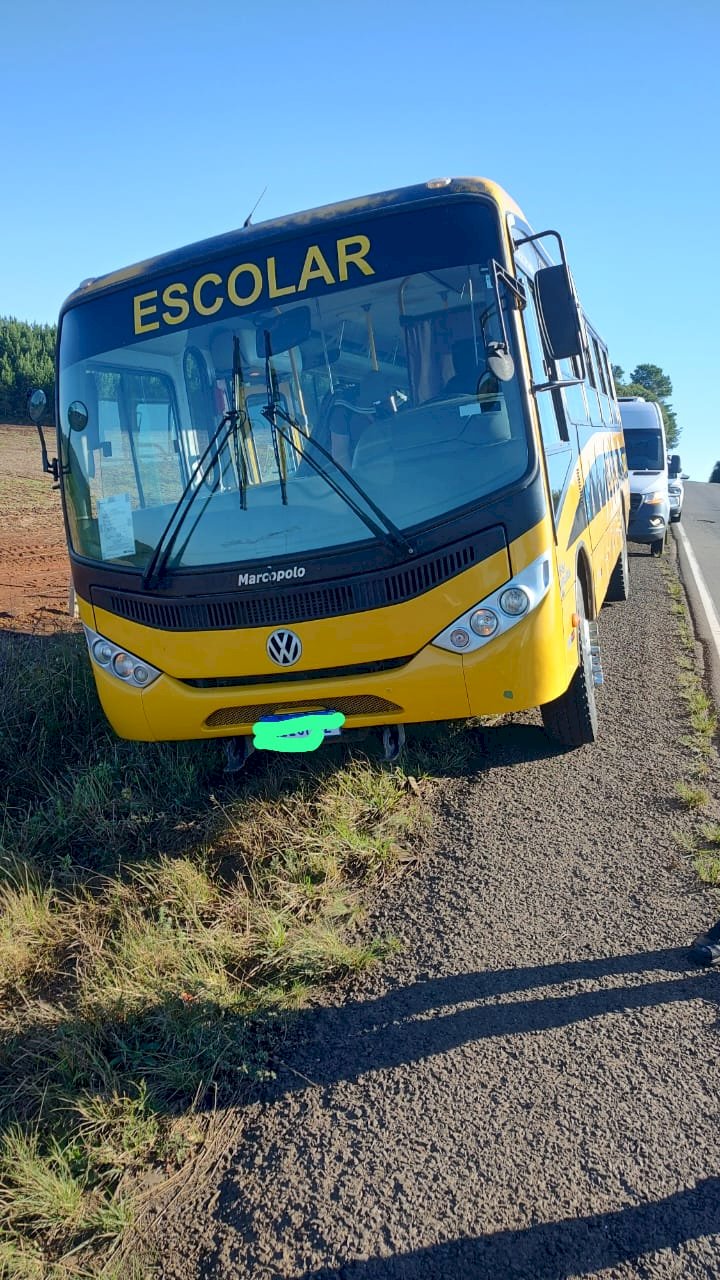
x=647, y=463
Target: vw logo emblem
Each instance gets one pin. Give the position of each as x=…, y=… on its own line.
x=284, y=648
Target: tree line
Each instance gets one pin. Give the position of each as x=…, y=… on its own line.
x=27, y=360
x=649, y=381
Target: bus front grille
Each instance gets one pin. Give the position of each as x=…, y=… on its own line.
x=261, y=608
x=361, y=704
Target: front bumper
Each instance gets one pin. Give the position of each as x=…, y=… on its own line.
x=648, y=523
x=506, y=675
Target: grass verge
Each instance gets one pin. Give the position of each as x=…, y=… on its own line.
x=702, y=844
x=155, y=923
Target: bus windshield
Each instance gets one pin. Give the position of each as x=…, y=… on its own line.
x=390, y=376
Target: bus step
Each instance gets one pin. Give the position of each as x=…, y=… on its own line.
x=595, y=659
x=393, y=741
x=237, y=753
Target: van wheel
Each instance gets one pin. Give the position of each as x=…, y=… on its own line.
x=572, y=719
x=657, y=548
x=619, y=584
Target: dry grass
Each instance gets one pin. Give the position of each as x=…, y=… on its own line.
x=700, y=742
x=33, y=929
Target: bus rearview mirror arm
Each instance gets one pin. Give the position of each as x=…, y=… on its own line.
x=561, y=321
x=36, y=406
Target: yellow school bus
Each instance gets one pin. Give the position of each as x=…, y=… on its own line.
x=363, y=460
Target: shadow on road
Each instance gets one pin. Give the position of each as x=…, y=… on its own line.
x=432, y=1017
x=329, y=1045
x=436, y=1015
x=553, y=1250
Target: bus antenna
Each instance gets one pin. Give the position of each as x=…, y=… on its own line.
x=248, y=220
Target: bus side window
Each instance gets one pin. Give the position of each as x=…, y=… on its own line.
x=553, y=432
x=197, y=388
x=574, y=397
x=603, y=388
x=614, y=410
x=592, y=387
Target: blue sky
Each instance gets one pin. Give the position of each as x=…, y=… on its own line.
x=129, y=129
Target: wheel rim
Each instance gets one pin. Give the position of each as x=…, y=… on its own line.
x=588, y=643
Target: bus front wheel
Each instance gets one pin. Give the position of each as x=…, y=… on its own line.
x=571, y=719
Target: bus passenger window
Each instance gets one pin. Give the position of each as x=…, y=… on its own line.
x=600, y=382
x=598, y=363
x=592, y=384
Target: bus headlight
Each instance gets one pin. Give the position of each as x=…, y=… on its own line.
x=484, y=622
x=459, y=638
x=498, y=612
x=102, y=652
x=118, y=662
x=123, y=665
x=515, y=601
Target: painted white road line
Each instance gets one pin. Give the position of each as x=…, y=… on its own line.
x=705, y=598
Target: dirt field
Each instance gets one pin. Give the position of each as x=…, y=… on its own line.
x=35, y=574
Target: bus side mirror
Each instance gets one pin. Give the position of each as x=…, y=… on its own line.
x=559, y=311
x=36, y=406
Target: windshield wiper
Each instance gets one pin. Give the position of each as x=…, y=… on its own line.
x=237, y=422
x=270, y=412
x=386, y=530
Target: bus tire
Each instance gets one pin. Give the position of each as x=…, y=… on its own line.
x=572, y=719
x=619, y=584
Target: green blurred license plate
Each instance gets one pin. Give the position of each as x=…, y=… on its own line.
x=334, y=731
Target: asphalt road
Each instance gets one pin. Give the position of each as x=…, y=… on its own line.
x=530, y=1089
x=701, y=523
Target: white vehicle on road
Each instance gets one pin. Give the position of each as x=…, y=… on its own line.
x=647, y=463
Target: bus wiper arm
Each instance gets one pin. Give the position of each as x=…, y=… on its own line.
x=238, y=426
x=169, y=535
x=271, y=413
x=387, y=531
